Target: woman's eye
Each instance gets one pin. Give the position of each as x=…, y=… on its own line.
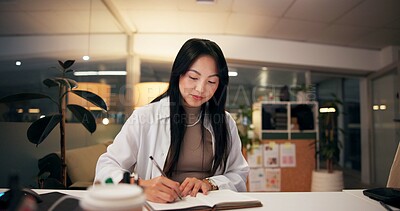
x=193, y=78
x=212, y=82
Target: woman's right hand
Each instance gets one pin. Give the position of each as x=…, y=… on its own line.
x=160, y=189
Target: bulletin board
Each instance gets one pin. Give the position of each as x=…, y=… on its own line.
x=296, y=178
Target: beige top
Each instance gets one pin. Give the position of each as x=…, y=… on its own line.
x=195, y=158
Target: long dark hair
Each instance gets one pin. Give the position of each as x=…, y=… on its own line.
x=215, y=109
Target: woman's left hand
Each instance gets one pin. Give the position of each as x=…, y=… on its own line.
x=191, y=186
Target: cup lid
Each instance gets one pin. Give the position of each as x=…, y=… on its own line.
x=113, y=197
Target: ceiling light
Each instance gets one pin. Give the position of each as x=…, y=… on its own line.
x=264, y=68
x=327, y=110
x=105, y=121
x=375, y=107
x=18, y=63
x=86, y=58
x=33, y=110
x=94, y=73
x=232, y=73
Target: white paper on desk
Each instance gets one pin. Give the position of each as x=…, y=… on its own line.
x=254, y=157
x=271, y=155
x=257, y=181
x=288, y=155
x=273, y=179
x=205, y=201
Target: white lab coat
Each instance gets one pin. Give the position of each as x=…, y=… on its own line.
x=147, y=133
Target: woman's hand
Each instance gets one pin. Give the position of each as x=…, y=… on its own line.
x=191, y=186
x=160, y=189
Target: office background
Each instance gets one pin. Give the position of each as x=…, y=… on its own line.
x=350, y=48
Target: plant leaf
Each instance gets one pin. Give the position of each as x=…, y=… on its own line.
x=66, y=82
x=84, y=116
x=68, y=64
x=49, y=82
x=22, y=97
x=61, y=64
x=91, y=97
x=41, y=128
x=62, y=81
x=72, y=83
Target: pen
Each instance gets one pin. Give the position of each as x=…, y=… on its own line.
x=162, y=173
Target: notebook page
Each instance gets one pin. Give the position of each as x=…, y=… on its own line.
x=186, y=202
x=222, y=196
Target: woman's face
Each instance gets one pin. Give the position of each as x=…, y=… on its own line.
x=200, y=82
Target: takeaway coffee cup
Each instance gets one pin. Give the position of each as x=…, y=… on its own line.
x=121, y=197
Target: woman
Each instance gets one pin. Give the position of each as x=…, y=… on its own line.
x=186, y=130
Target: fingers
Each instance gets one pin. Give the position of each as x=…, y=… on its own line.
x=191, y=186
x=161, y=189
x=205, y=188
x=170, y=184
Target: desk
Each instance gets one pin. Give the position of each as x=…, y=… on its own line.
x=347, y=200
x=359, y=194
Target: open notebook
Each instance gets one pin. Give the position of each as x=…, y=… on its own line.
x=215, y=200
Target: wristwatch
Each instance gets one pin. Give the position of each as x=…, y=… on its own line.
x=211, y=183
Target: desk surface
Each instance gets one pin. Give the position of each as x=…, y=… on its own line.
x=346, y=200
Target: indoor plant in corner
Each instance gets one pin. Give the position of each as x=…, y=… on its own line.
x=41, y=128
x=245, y=127
x=328, y=149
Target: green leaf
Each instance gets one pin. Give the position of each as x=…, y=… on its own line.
x=66, y=82
x=84, y=116
x=22, y=97
x=72, y=83
x=41, y=128
x=61, y=63
x=91, y=97
x=66, y=64
x=49, y=82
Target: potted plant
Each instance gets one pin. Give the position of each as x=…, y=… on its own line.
x=246, y=128
x=41, y=128
x=328, y=148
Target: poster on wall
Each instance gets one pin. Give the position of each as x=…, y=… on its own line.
x=287, y=155
x=271, y=155
x=272, y=179
x=257, y=181
x=254, y=156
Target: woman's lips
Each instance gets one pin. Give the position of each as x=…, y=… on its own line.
x=196, y=97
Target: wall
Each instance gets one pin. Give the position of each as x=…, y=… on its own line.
x=252, y=49
x=385, y=132
x=20, y=156
x=160, y=46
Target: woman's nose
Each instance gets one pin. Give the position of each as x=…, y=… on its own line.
x=199, y=86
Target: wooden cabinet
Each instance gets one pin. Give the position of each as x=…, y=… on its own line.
x=286, y=123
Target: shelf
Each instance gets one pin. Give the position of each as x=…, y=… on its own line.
x=286, y=120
